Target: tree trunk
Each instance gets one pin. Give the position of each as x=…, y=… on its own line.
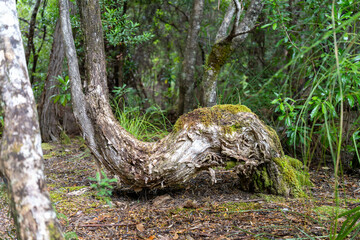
x=226, y=43
x=201, y=139
x=48, y=110
x=186, y=87
x=21, y=153
x=35, y=51
x=30, y=34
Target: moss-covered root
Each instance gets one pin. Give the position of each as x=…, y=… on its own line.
x=282, y=176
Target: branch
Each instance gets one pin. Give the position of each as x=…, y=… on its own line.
x=178, y=9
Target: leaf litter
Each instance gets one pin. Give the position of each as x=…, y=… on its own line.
x=197, y=209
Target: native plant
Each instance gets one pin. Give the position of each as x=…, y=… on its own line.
x=118, y=27
x=64, y=95
x=103, y=186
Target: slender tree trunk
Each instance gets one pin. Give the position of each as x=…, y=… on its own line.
x=35, y=51
x=187, y=81
x=48, y=110
x=226, y=43
x=201, y=139
x=30, y=34
x=21, y=153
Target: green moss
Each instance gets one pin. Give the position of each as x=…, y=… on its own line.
x=65, y=139
x=218, y=56
x=60, y=194
x=329, y=212
x=239, y=206
x=234, y=109
x=262, y=180
x=275, y=138
x=221, y=115
x=293, y=175
x=54, y=231
x=270, y=198
x=231, y=164
x=47, y=146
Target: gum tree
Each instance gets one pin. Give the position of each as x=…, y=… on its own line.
x=201, y=139
x=21, y=154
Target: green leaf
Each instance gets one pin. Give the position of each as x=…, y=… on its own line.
x=351, y=100
x=314, y=112
x=274, y=26
x=56, y=98
x=282, y=108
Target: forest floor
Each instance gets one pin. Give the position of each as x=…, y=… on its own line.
x=196, y=210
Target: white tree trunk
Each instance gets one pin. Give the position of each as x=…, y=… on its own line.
x=21, y=153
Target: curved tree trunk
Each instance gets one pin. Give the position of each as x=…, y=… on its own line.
x=201, y=139
x=226, y=43
x=21, y=154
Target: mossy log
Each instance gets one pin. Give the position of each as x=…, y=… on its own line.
x=203, y=139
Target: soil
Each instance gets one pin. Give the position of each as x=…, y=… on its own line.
x=197, y=209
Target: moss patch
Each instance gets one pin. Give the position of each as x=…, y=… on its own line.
x=218, y=56
x=270, y=198
x=328, y=212
x=239, y=206
x=47, y=146
x=293, y=175
x=221, y=115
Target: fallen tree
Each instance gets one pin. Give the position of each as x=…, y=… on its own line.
x=201, y=140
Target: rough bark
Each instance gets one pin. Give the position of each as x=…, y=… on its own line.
x=48, y=110
x=201, y=139
x=77, y=95
x=187, y=81
x=21, y=153
x=226, y=43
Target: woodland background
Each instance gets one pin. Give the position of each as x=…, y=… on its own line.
x=297, y=69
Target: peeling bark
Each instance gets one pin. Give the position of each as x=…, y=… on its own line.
x=201, y=139
x=21, y=153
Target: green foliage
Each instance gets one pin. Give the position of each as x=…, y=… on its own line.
x=64, y=96
x=67, y=235
x=102, y=186
x=118, y=27
x=148, y=126
x=351, y=226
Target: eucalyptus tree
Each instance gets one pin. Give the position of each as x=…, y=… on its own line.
x=230, y=35
x=21, y=159
x=202, y=139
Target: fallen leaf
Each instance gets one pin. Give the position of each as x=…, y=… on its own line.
x=140, y=227
x=161, y=200
x=191, y=204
